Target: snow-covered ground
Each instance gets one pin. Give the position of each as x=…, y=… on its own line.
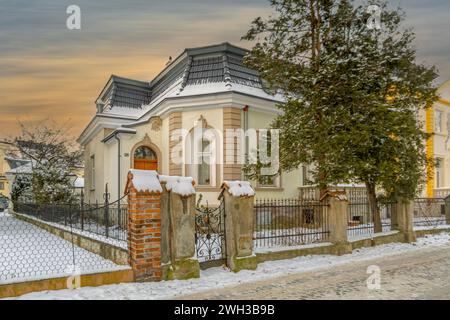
x=28, y=252
x=220, y=277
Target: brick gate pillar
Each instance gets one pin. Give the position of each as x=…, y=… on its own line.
x=239, y=197
x=402, y=219
x=144, y=224
x=178, y=222
x=338, y=220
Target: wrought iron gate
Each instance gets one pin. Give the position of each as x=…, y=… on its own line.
x=210, y=239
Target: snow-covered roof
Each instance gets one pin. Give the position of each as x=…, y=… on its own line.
x=24, y=169
x=144, y=181
x=184, y=186
x=197, y=71
x=239, y=188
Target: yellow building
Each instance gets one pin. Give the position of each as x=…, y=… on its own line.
x=437, y=122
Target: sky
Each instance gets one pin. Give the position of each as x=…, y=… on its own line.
x=48, y=71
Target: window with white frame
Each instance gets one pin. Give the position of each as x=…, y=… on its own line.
x=267, y=181
x=2, y=185
x=201, y=156
x=439, y=173
x=438, y=121
x=93, y=172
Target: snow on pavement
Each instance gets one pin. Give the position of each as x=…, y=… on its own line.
x=219, y=277
x=28, y=252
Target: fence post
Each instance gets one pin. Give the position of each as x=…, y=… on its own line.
x=144, y=227
x=106, y=217
x=338, y=219
x=82, y=210
x=447, y=210
x=239, y=217
x=178, y=228
x=402, y=219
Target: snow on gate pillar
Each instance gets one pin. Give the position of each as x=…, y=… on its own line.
x=239, y=216
x=144, y=224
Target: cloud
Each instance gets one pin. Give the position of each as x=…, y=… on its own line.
x=49, y=71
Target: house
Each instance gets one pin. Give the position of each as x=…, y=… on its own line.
x=183, y=114
x=8, y=162
x=437, y=123
x=179, y=123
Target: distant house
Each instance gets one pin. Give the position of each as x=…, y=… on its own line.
x=437, y=123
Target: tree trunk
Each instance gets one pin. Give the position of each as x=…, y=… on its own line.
x=374, y=210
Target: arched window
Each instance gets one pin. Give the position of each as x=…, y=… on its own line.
x=202, y=155
x=145, y=159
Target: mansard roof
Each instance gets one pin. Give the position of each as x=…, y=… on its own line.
x=203, y=70
x=125, y=93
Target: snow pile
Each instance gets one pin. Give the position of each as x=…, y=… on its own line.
x=145, y=181
x=214, y=278
x=184, y=186
x=239, y=188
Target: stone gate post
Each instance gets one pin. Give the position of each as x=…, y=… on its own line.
x=239, y=216
x=338, y=220
x=178, y=225
x=402, y=219
x=447, y=210
x=144, y=224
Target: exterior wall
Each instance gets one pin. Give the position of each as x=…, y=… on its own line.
x=175, y=123
x=221, y=116
x=232, y=120
x=438, y=146
x=289, y=181
x=4, y=167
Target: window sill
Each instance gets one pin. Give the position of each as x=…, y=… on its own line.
x=269, y=189
x=207, y=189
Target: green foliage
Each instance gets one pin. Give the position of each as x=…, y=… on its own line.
x=352, y=94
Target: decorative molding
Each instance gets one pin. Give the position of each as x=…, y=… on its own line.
x=156, y=123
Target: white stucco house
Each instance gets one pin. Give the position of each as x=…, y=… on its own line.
x=206, y=89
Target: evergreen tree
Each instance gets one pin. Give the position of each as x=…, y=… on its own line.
x=352, y=93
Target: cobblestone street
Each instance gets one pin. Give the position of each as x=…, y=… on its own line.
x=423, y=274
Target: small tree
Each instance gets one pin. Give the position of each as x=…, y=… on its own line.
x=21, y=189
x=53, y=154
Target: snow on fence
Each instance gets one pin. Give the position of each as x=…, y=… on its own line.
x=28, y=252
x=109, y=220
x=290, y=222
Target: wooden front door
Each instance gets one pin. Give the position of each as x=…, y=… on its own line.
x=144, y=164
x=145, y=159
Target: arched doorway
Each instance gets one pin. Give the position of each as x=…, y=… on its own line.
x=145, y=159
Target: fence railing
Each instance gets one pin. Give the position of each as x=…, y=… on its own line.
x=290, y=222
x=429, y=212
x=107, y=220
x=360, y=218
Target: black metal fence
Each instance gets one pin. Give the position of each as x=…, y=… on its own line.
x=429, y=212
x=360, y=218
x=108, y=220
x=290, y=222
